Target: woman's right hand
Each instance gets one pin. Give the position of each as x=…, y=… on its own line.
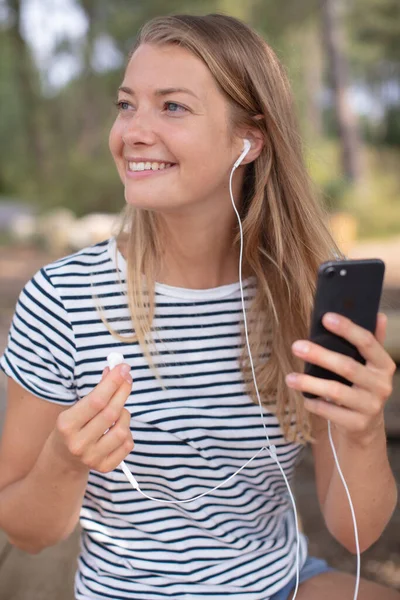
x=95, y=433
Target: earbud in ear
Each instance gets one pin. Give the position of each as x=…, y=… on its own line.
x=246, y=148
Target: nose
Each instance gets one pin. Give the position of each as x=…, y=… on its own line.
x=140, y=130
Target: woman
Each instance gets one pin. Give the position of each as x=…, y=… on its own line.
x=165, y=293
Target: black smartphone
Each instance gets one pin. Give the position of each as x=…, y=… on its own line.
x=352, y=288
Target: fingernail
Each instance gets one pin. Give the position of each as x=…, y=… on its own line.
x=125, y=369
x=125, y=372
x=291, y=378
x=301, y=347
x=332, y=319
x=104, y=373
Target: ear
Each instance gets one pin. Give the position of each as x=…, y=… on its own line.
x=256, y=139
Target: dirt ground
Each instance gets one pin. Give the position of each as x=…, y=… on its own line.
x=380, y=563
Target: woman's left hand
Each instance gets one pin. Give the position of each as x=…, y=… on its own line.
x=356, y=411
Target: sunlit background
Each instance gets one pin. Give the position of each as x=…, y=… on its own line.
x=61, y=62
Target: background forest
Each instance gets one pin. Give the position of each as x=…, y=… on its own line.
x=58, y=84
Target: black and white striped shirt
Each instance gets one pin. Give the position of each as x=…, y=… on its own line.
x=240, y=540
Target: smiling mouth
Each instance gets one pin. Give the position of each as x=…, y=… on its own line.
x=149, y=166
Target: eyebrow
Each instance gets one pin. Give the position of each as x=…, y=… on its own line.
x=160, y=92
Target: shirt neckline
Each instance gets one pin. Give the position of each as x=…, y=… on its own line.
x=221, y=291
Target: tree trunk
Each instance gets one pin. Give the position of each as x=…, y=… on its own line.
x=26, y=84
x=313, y=81
x=89, y=138
x=333, y=38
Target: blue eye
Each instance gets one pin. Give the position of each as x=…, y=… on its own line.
x=174, y=107
x=122, y=105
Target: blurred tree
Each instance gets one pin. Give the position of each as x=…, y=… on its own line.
x=333, y=37
x=53, y=141
x=292, y=29
x=89, y=118
x=374, y=26
x=313, y=80
x=26, y=85
x=240, y=9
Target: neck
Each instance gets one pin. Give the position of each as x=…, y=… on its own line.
x=200, y=256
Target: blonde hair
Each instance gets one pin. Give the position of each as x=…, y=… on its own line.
x=285, y=236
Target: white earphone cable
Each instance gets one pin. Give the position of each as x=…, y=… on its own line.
x=351, y=510
x=270, y=447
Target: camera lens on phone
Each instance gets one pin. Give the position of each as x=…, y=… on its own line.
x=330, y=272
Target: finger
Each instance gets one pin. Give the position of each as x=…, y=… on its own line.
x=364, y=340
x=112, y=461
x=87, y=408
x=351, y=421
x=349, y=397
x=381, y=327
x=349, y=368
x=105, y=419
x=111, y=441
x=105, y=373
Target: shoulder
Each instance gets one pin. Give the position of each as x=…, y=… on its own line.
x=97, y=258
x=65, y=279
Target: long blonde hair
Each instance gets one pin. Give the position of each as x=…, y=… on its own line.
x=285, y=236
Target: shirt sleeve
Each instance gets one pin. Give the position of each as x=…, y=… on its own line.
x=40, y=352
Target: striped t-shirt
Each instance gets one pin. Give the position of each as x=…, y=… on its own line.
x=240, y=540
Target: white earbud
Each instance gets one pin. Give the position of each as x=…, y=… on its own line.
x=246, y=148
x=114, y=359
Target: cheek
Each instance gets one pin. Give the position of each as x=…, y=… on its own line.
x=208, y=162
x=115, y=140
x=201, y=155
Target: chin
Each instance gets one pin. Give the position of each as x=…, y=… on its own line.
x=153, y=202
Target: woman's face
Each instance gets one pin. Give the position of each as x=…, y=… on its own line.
x=171, y=139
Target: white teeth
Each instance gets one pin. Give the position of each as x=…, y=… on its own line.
x=148, y=166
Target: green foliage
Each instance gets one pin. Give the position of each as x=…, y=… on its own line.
x=391, y=136
x=375, y=25
x=323, y=165
x=375, y=202
x=54, y=150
